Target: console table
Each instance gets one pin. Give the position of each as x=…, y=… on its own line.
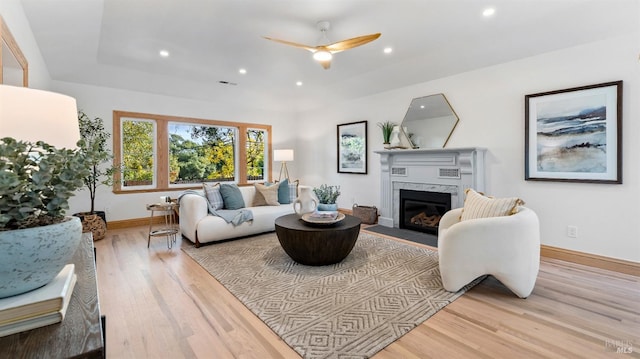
x=79, y=335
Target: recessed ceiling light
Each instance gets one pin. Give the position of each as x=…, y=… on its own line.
x=388, y=50
x=488, y=12
x=164, y=53
x=242, y=71
x=298, y=83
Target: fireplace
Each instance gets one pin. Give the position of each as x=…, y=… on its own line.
x=444, y=170
x=421, y=210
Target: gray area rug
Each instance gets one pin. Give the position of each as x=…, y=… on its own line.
x=351, y=309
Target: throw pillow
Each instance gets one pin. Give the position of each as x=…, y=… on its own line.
x=293, y=190
x=231, y=196
x=212, y=192
x=266, y=195
x=283, y=192
x=476, y=205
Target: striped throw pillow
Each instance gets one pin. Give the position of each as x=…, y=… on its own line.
x=293, y=190
x=212, y=192
x=477, y=205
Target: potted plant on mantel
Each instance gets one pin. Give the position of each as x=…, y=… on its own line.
x=94, y=147
x=387, y=130
x=36, y=238
x=327, y=196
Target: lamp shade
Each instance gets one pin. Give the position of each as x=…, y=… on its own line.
x=283, y=155
x=35, y=115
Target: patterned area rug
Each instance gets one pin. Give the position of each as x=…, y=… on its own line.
x=352, y=309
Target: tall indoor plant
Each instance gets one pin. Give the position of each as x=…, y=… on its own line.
x=94, y=147
x=36, y=238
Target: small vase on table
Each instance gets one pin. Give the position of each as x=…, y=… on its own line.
x=305, y=203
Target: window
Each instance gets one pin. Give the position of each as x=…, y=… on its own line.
x=255, y=154
x=201, y=153
x=164, y=152
x=138, y=149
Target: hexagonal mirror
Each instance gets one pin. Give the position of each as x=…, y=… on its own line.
x=429, y=122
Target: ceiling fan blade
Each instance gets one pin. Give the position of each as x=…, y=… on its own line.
x=306, y=47
x=351, y=43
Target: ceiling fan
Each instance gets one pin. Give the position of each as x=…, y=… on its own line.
x=324, y=53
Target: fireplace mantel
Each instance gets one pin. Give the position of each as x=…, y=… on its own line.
x=448, y=170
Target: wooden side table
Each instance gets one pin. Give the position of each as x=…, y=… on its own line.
x=169, y=228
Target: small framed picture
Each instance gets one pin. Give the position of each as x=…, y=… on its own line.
x=352, y=147
x=575, y=135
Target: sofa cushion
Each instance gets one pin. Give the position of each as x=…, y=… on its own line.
x=212, y=192
x=231, y=196
x=266, y=195
x=283, y=192
x=477, y=205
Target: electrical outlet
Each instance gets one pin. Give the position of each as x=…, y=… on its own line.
x=572, y=231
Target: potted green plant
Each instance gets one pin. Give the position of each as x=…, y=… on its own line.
x=94, y=147
x=387, y=130
x=36, y=182
x=327, y=196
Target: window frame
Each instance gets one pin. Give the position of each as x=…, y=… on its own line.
x=161, y=149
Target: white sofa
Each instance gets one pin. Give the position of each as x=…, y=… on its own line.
x=197, y=225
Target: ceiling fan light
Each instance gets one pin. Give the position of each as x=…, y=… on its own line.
x=322, y=55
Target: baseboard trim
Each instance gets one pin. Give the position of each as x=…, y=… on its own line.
x=135, y=222
x=592, y=260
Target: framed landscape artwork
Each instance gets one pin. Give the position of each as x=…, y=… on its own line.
x=352, y=147
x=575, y=135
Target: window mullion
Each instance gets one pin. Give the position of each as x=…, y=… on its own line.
x=162, y=155
x=242, y=154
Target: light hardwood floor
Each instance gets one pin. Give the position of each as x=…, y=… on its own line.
x=159, y=303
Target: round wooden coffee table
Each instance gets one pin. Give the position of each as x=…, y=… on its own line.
x=317, y=245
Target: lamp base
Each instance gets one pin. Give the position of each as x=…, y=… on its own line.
x=286, y=171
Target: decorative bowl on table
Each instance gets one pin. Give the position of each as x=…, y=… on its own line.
x=319, y=219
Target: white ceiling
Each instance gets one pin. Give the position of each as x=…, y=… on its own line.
x=115, y=43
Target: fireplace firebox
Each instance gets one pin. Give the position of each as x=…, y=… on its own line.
x=421, y=210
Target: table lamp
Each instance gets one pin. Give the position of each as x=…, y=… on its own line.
x=35, y=115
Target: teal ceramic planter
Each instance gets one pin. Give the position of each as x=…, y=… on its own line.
x=327, y=207
x=32, y=257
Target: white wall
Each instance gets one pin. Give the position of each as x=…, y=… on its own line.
x=101, y=102
x=13, y=14
x=490, y=104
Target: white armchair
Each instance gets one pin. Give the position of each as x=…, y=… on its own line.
x=506, y=247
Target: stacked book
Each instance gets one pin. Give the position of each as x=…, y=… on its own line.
x=324, y=215
x=37, y=308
